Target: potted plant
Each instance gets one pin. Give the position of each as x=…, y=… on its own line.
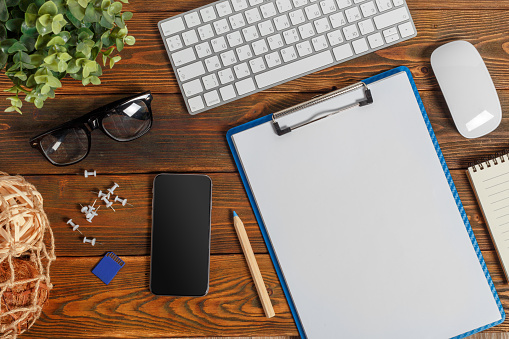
x=41, y=41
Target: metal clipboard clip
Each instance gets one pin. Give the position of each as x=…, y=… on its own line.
x=368, y=99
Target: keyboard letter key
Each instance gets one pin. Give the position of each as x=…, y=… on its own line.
x=191, y=71
x=183, y=57
x=173, y=26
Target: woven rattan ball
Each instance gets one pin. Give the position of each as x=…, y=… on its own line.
x=23, y=294
x=21, y=215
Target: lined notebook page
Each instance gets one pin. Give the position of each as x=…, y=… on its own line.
x=491, y=186
x=363, y=222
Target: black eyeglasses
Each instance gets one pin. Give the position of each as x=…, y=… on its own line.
x=123, y=120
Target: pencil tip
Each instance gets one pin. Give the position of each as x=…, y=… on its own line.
x=235, y=214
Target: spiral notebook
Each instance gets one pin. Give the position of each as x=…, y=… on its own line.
x=490, y=181
x=362, y=219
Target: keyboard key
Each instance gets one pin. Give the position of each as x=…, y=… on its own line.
x=368, y=9
x=228, y=58
x=304, y=48
x=297, y=17
x=275, y=41
x=223, y=8
x=288, y=54
x=257, y=65
x=237, y=21
x=353, y=14
x=299, y=67
x=259, y=47
x=244, y=52
x=283, y=5
x=218, y=44
x=253, y=3
x=342, y=52
x=245, y=86
x=383, y=5
x=227, y=92
x=360, y=46
x=192, y=87
x=226, y=76
x=337, y=20
x=239, y=5
x=273, y=59
x=191, y=71
x=344, y=3
x=234, y=39
x=203, y=49
x=398, y=2
x=172, y=26
x=242, y=70
x=195, y=104
x=250, y=33
x=375, y=40
x=205, y=32
x=306, y=31
x=208, y=14
x=192, y=19
x=291, y=36
x=174, y=43
x=366, y=26
x=406, y=29
x=391, y=18
x=212, y=98
x=328, y=6
x=183, y=57
x=351, y=32
x=190, y=37
x=268, y=10
x=266, y=28
x=281, y=22
x=221, y=26
x=212, y=63
x=298, y=3
x=312, y=12
x=335, y=37
x=319, y=43
x=322, y=25
x=210, y=81
x=252, y=15
x=391, y=35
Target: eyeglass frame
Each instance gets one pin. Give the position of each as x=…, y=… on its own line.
x=92, y=121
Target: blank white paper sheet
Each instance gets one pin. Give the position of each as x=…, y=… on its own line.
x=363, y=222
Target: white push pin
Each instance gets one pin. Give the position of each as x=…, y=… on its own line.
x=108, y=203
x=100, y=194
x=115, y=185
x=122, y=201
x=88, y=174
x=90, y=241
x=90, y=215
x=73, y=225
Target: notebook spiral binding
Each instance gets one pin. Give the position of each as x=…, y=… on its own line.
x=498, y=158
x=366, y=101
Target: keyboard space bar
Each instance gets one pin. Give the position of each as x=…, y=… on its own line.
x=294, y=69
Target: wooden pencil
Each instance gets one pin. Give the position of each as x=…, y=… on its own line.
x=253, y=266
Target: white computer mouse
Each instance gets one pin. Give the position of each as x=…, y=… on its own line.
x=468, y=89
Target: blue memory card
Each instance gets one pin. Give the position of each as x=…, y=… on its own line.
x=108, y=267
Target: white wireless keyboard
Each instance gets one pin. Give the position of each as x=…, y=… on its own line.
x=233, y=48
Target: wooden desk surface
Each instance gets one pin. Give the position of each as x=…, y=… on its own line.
x=81, y=306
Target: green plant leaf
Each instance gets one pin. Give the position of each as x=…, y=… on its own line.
x=57, y=40
x=41, y=41
x=120, y=45
x=3, y=32
x=49, y=7
x=54, y=82
x=21, y=57
x=21, y=75
x=31, y=15
x=91, y=14
x=41, y=79
x=120, y=22
x=105, y=4
x=3, y=59
x=72, y=67
x=4, y=12
x=76, y=10
x=50, y=58
x=114, y=60
x=64, y=57
x=95, y=80
x=6, y=44
x=62, y=66
x=85, y=81
x=12, y=3
x=83, y=3
x=16, y=47
x=85, y=34
x=115, y=8
x=130, y=40
x=58, y=23
x=38, y=102
x=127, y=16
x=41, y=29
x=14, y=25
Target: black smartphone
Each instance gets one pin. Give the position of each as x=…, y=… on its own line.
x=180, y=254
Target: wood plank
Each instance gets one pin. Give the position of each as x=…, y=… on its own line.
x=81, y=306
x=179, y=142
x=182, y=6
x=127, y=231
x=145, y=65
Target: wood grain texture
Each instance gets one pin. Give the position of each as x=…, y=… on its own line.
x=148, y=61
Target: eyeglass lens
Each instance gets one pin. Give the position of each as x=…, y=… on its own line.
x=127, y=121
x=65, y=146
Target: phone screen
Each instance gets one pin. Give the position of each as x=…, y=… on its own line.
x=180, y=255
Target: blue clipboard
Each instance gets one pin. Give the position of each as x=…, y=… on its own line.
x=263, y=230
